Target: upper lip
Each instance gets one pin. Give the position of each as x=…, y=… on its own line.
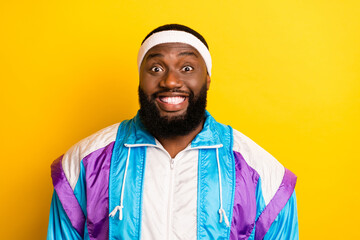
x=172, y=94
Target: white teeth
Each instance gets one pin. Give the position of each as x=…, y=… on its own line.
x=172, y=100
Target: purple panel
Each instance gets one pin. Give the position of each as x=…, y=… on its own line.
x=244, y=210
x=277, y=203
x=67, y=197
x=97, y=166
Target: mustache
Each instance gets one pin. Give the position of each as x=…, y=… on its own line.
x=154, y=95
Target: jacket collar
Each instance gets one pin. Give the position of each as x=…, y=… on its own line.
x=207, y=138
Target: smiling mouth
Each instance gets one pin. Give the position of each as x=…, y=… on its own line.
x=172, y=100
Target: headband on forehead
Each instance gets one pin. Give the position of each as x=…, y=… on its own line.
x=175, y=36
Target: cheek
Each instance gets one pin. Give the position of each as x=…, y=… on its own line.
x=147, y=85
x=196, y=83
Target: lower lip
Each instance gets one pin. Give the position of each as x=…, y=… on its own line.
x=172, y=107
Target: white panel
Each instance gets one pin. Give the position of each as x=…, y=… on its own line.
x=270, y=170
x=72, y=158
x=170, y=195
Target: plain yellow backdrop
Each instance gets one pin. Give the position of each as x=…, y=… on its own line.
x=285, y=73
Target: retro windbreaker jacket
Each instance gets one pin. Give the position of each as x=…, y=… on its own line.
x=222, y=186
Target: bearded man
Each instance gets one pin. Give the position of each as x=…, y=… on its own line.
x=171, y=172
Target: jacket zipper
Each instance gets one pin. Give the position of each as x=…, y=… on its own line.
x=170, y=198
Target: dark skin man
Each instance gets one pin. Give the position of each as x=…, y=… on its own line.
x=174, y=66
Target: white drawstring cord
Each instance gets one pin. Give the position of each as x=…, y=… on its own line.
x=221, y=210
x=112, y=214
x=120, y=208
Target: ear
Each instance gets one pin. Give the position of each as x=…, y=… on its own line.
x=208, y=80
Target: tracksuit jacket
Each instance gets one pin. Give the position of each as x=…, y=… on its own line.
x=115, y=185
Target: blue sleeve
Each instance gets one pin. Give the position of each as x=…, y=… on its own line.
x=285, y=226
x=59, y=224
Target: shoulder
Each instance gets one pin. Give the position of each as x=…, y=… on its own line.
x=72, y=158
x=271, y=172
x=276, y=186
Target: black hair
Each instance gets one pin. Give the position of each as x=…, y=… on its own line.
x=177, y=27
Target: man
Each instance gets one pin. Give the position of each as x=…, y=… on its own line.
x=171, y=172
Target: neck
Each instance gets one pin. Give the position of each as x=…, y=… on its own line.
x=176, y=144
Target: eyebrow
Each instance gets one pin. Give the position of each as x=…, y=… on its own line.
x=153, y=55
x=187, y=54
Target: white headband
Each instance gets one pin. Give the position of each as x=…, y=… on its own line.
x=174, y=36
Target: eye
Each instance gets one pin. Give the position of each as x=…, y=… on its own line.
x=156, y=69
x=187, y=68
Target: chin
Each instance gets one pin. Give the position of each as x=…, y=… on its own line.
x=173, y=115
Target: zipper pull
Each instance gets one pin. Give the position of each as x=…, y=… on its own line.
x=172, y=163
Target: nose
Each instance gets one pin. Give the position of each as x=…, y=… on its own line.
x=171, y=81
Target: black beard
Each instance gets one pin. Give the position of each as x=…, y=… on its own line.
x=164, y=127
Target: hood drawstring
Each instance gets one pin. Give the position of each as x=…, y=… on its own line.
x=120, y=208
x=221, y=210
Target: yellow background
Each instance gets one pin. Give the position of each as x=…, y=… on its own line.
x=285, y=73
